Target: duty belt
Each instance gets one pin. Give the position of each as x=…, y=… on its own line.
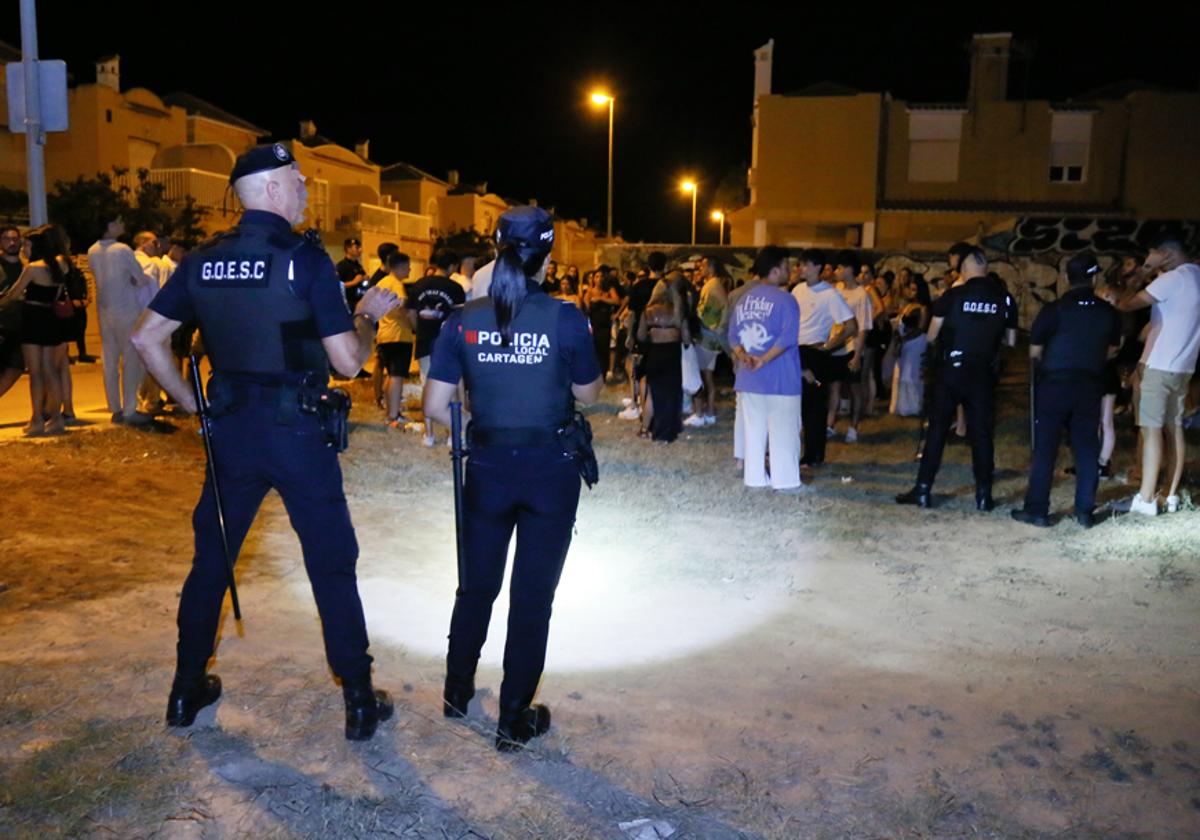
x=519, y=436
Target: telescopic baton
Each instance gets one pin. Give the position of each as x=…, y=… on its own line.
x=456, y=458
x=206, y=433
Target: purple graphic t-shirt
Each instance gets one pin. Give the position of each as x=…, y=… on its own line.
x=766, y=317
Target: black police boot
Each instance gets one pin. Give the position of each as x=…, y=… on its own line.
x=514, y=731
x=983, y=499
x=365, y=708
x=189, y=696
x=921, y=496
x=456, y=696
x=1087, y=519
x=1022, y=515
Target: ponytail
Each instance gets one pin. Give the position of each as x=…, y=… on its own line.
x=514, y=268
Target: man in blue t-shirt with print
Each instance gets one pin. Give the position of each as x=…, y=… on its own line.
x=763, y=327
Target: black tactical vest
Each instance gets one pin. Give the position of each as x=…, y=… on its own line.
x=1080, y=343
x=526, y=384
x=250, y=318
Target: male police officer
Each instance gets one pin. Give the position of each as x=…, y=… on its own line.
x=273, y=316
x=969, y=321
x=1072, y=339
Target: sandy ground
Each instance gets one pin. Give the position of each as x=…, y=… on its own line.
x=729, y=662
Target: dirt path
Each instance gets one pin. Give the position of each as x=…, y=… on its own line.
x=734, y=663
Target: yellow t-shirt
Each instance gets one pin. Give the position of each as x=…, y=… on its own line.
x=395, y=325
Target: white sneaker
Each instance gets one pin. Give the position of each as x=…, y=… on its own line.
x=429, y=441
x=852, y=435
x=631, y=413
x=710, y=419
x=1172, y=504
x=627, y=401
x=830, y=432
x=1140, y=505
x=694, y=420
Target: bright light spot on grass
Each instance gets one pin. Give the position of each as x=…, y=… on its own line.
x=627, y=596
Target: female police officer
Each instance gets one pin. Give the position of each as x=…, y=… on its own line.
x=525, y=359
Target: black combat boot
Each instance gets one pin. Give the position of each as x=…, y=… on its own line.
x=1022, y=515
x=365, y=708
x=516, y=730
x=921, y=496
x=983, y=499
x=190, y=695
x=456, y=696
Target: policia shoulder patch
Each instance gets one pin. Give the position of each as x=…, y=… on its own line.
x=243, y=271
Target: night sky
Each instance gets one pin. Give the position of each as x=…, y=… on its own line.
x=499, y=91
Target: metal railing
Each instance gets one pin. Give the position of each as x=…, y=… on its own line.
x=207, y=188
x=386, y=220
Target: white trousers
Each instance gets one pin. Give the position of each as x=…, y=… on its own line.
x=123, y=368
x=739, y=429
x=772, y=424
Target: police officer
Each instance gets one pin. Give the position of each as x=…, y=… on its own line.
x=273, y=316
x=969, y=322
x=525, y=358
x=1070, y=344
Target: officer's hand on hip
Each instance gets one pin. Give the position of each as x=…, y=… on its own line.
x=377, y=302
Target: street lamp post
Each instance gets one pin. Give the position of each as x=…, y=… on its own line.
x=599, y=98
x=718, y=216
x=689, y=186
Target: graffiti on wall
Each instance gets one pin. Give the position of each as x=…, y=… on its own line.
x=1071, y=234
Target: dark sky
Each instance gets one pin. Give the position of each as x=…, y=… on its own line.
x=499, y=91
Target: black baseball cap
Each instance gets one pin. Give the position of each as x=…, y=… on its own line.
x=260, y=159
x=528, y=227
x=1081, y=267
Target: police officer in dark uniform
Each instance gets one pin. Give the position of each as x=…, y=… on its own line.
x=273, y=316
x=1070, y=344
x=968, y=324
x=525, y=358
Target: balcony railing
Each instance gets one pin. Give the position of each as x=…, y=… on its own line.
x=397, y=224
x=207, y=188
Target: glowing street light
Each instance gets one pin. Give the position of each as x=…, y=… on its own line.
x=600, y=98
x=689, y=186
x=718, y=216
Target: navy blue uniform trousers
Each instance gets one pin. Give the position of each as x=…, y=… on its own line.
x=973, y=387
x=253, y=455
x=1075, y=404
x=536, y=491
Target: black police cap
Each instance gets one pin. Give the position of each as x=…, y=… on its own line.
x=525, y=226
x=1081, y=267
x=260, y=159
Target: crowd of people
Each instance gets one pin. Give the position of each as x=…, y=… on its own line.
x=862, y=338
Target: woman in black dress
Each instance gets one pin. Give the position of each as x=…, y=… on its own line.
x=43, y=333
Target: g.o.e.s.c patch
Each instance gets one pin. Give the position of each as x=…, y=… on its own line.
x=244, y=271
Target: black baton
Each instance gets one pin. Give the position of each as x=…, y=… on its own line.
x=456, y=458
x=206, y=433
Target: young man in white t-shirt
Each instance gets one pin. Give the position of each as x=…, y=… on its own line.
x=821, y=310
x=1167, y=365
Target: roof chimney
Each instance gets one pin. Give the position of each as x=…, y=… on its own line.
x=362, y=149
x=452, y=177
x=308, y=129
x=989, y=67
x=108, y=72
